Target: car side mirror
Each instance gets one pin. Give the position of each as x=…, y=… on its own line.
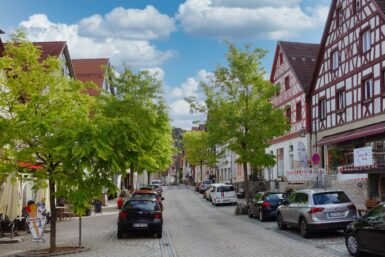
x=162, y=198
x=285, y=202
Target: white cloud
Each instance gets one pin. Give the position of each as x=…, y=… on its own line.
x=134, y=24
x=135, y=53
x=157, y=72
x=238, y=20
x=179, y=108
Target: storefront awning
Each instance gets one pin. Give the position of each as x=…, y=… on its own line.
x=354, y=134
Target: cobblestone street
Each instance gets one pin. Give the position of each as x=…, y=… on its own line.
x=193, y=228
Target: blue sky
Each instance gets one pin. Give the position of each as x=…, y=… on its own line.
x=181, y=40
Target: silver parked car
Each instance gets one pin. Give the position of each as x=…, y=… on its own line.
x=316, y=209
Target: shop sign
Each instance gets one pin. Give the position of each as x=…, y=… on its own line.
x=363, y=156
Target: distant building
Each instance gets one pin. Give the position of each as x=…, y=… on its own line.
x=93, y=70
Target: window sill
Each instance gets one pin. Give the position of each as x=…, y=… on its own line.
x=366, y=101
x=341, y=110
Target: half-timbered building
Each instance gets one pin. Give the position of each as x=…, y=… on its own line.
x=292, y=72
x=348, y=94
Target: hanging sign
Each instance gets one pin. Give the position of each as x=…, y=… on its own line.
x=363, y=156
x=36, y=220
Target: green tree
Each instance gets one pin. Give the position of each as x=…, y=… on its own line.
x=198, y=149
x=140, y=94
x=46, y=118
x=239, y=111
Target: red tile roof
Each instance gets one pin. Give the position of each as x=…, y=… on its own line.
x=91, y=70
x=302, y=57
x=53, y=49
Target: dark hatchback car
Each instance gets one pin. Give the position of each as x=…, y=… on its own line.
x=140, y=215
x=367, y=234
x=264, y=205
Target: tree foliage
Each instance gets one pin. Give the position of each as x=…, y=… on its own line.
x=239, y=111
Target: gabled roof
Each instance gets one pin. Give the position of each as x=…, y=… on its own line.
x=91, y=70
x=303, y=58
x=379, y=3
x=53, y=49
x=1, y=43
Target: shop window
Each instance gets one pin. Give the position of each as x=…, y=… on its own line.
x=341, y=102
x=322, y=109
x=334, y=60
x=366, y=41
x=298, y=111
x=367, y=89
x=287, y=83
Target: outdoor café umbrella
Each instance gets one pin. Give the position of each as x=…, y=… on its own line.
x=11, y=200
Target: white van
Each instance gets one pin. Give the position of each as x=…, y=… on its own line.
x=223, y=194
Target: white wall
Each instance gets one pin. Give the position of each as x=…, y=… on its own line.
x=273, y=174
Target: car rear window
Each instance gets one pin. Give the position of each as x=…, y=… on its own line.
x=225, y=189
x=144, y=195
x=274, y=198
x=330, y=198
x=207, y=182
x=141, y=205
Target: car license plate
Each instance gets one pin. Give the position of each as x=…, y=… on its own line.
x=336, y=214
x=140, y=225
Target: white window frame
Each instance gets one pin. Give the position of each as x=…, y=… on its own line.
x=335, y=60
x=322, y=109
x=366, y=41
x=368, y=89
x=341, y=100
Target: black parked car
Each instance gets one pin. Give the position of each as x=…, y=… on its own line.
x=139, y=215
x=264, y=205
x=367, y=234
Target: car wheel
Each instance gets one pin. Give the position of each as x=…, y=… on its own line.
x=304, y=228
x=159, y=234
x=352, y=244
x=280, y=222
x=120, y=234
x=261, y=216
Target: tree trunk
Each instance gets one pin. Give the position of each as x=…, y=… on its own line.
x=132, y=179
x=201, y=164
x=246, y=182
x=148, y=177
x=52, y=239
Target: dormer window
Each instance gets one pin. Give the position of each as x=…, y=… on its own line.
x=366, y=41
x=334, y=60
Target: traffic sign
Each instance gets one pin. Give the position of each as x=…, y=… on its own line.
x=316, y=158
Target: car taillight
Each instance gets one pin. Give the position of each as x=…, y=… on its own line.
x=314, y=210
x=265, y=204
x=352, y=207
x=122, y=215
x=158, y=215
